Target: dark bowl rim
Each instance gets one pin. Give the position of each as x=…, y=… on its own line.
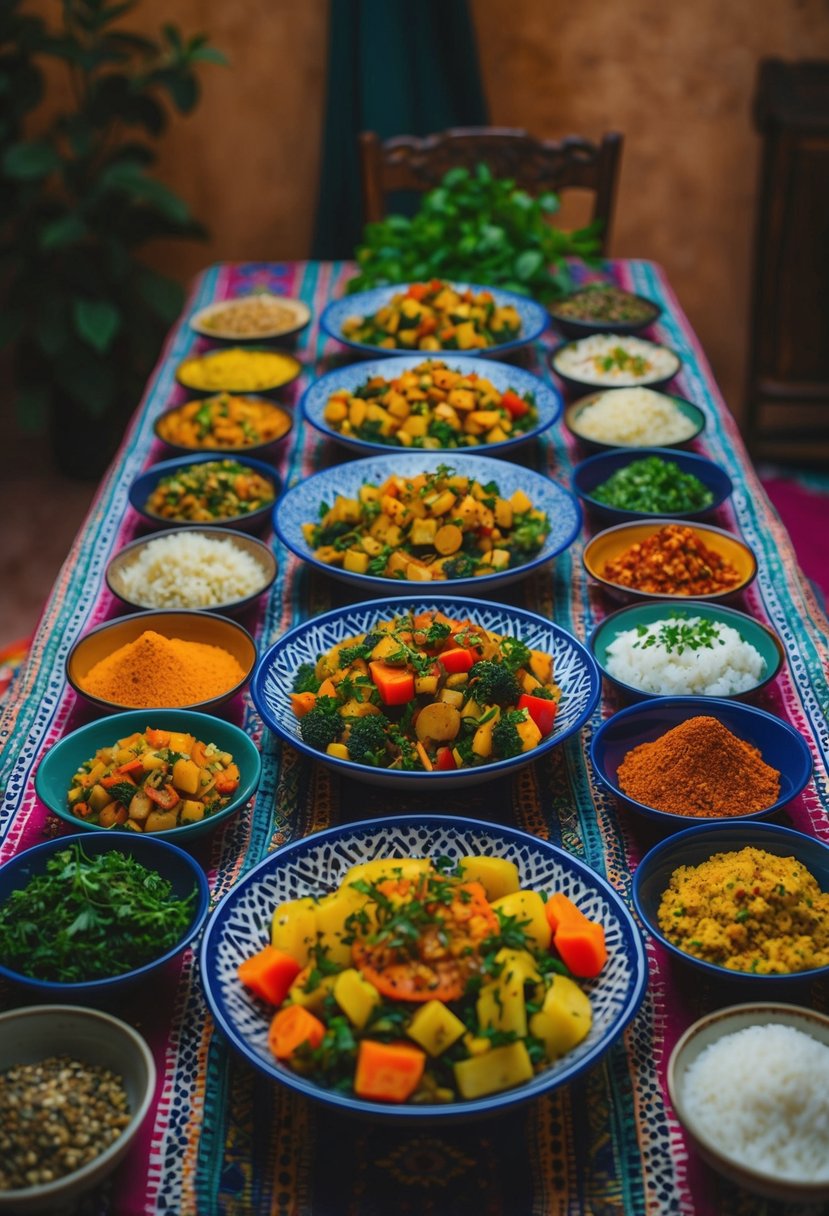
x=84, y=987
x=195, y=529
x=404, y=1113
x=182, y=831
x=266, y=337
x=641, y=453
x=707, y=707
x=256, y=450
x=456, y=777
x=713, y=597
x=677, y=840
x=570, y=379
x=692, y=604
x=245, y=348
x=161, y=467
x=198, y=707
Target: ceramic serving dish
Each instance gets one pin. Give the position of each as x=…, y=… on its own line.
x=172, y=863
x=189, y=373
x=574, y=670
x=57, y=768
x=238, y=929
x=265, y=451
x=210, y=321
x=502, y=375
x=574, y=413
x=301, y=505
x=573, y=362
x=611, y=544
x=534, y=318
x=145, y=483
x=641, y=615
x=779, y=744
x=203, y=627
x=262, y=554
x=592, y=473
x=698, y=844
x=579, y=327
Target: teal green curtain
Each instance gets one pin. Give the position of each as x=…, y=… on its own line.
x=397, y=67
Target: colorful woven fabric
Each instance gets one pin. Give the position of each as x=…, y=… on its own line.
x=222, y=1139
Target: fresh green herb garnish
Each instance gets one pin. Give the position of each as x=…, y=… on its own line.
x=654, y=485
x=678, y=634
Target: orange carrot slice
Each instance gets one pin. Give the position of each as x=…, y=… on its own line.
x=388, y=1072
x=269, y=974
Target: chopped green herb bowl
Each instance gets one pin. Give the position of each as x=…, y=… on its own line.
x=639, y=616
x=185, y=876
x=596, y=471
x=57, y=768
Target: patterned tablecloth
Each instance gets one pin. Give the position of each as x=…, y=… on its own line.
x=221, y=1138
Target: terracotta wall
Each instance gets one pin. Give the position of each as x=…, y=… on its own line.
x=676, y=79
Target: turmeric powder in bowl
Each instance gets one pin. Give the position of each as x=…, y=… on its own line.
x=238, y=370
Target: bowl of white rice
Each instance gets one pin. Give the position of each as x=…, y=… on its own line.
x=698, y=650
x=634, y=418
x=199, y=569
x=750, y=1086
x=614, y=361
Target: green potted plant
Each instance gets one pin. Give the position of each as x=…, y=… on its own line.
x=86, y=315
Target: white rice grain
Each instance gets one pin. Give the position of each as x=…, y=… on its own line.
x=188, y=570
x=731, y=666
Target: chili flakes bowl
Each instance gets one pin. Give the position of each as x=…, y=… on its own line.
x=203, y=627
x=144, y=486
x=57, y=768
x=698, y=844
x=779, y=744
x=300, y=868
x=613, y=543
x=38, y=1032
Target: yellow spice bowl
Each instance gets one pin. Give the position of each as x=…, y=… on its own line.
x=203, y=627
x=609, y=545
x=238, y=369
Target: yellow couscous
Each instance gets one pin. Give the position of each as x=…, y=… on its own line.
x=748, y=911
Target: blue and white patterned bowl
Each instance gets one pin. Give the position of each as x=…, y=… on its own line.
x=574, y=670
x=316, y=864
x=300, y=505
x=547, y=399
x=534, y=318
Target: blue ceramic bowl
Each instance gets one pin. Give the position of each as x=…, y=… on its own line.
x=300, y=505
x=144, y=484
x=759, y=636
x=534, y=318
x=696, y=845
x=317, y=863
x=577, y=383
x=57, y=768
x=595, y=471
x=166, y=859
x=779, y=744
x=575, y=672
x=502, y=375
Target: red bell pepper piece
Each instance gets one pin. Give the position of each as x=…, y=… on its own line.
x=456, y=659
x=516, y=405
x=542, y=712
x=445, y=761
x=417, y=291
x=166, y=797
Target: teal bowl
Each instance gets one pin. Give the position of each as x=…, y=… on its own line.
x=61, y=762
x=759, y=636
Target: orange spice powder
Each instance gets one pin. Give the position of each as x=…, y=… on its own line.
x=159, y=672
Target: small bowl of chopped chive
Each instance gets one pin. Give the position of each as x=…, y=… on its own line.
x=641, y=483
x=55, y=1058
x=701, y=649
x=88, y=915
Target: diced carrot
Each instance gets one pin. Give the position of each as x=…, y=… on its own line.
x=417, y=291
x=582, y=947
x=226, y=784
x=115, y=779
x=456, y=659
x=198, y=754
x=561, y=910
x=388, y=1072
x=269, y=974
x=327, y=689
x=132, y=766
x=290, y=1028
x=157, y=738
x=395, y=684
x=302, y=702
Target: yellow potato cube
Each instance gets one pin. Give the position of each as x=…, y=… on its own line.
x=311, y=999
x=528, y=733
x=495, y=1070
x=520, y=502
x=180, y=742
x=497, y=876
x=338, y=750
x=191, y=811
x=186, y=776
x=161, y=821
x=355, y=996
x=355, y=561
x=423, y=531
x=527, y=907
x=434, y=1027
x=356, y=412
x=294, y=928
x=335, y=411
x=565, y=1018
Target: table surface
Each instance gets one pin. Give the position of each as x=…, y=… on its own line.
x=223, y=1139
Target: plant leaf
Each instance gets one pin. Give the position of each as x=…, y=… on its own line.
x=96, y=321
x=30, y=161
x=65, y=231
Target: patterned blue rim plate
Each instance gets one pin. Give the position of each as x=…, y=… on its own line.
x=240, y=924
x=503, y=375
x=574, y=669
x=300, y=505
x=534, y=318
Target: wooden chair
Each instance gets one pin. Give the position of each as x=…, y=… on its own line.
x=410, y=163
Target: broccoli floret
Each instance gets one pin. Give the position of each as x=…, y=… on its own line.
x=506, y=740
x=462, y=565
x=367, y=740
x=305, y=679
x=322, y=724
x=493, y=684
